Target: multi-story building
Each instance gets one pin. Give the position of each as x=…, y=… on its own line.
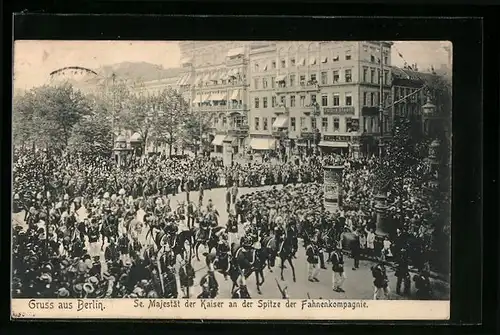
x=308, y=94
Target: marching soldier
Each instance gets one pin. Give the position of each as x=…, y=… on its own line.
x=380, y=282
x=338, y=270
x=312, y=260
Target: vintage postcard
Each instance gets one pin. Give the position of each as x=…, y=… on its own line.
x=231, y=180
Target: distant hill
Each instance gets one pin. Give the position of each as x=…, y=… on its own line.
x=137, y=71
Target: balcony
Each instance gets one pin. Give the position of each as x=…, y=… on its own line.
x=348, y=110
x=301, y=87
x=222, y=108
x=241, y=131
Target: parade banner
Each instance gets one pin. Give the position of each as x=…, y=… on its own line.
x=332, y=187
x=230, y=309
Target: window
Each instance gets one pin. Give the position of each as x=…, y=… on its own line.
x=224, y=121
x=324, y=124
x=283, y=63
x=302, y=122
x=365, y=75
x=324, y=78
x=313, y=122
x=348, y=99
x=336, y=99
x=348, y=76
x=372, y=75
x=272, y=121
x=313, y=99
x=386, y=59
x=379, y=76
x=256, y=102
x=377, y=99
x=256, y=83
x=302, y=100
x=257, y=123
x=292, y=101
x=336, y=76
x=292, y=124
x=264, y=83
x=348, y=55
x=324, y=59
x=372, y=58
x=386, y=78
x=313, y=78
x=302, y=80
x=386, y=98
x=264, y=102
x=292, y=62
x=336, y=124
x=283, y=100
x=348, y=124
x=256, y=67
x=324, y=100
x=273, y=82
x=264, y=123
x=372, y=99
x=273, y=101
x=273, y=64
x=292, y=80
x=335, y=58
x=365, y=98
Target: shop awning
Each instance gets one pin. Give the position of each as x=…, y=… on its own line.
x=312, y=61
x=281, y=122
x=262, y=144
x=205, y=97
x=230, y=139
x=218, y=139
x=236, y=52
x=333, y=144
x=197, y=99
x=197, y=80
x=218, y=97
x=235, y=95
x=185, y=79
x=280, y=77
x=215, y=76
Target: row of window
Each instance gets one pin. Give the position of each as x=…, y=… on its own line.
x=312, y=100
x=291, y=80
x=372, y=98
x=374, y=78
x=327, y=124
x=301, y=62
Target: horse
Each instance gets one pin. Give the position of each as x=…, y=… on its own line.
x=210, y=241
x=286, y=252
x=244, y=262
x=269, y=250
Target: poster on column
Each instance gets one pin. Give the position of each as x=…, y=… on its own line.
x=332, y=187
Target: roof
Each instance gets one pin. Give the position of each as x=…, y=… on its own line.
x=399, y=73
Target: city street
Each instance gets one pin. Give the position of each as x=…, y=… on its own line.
x=358, y=283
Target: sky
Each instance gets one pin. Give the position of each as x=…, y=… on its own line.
x=34, y=60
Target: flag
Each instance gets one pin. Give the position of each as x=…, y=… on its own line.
x=400, y=55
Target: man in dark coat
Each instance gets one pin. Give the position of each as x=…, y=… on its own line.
x=402, y=273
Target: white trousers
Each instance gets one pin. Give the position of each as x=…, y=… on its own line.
x=376, y=292
x=338, y=279
x=94, y=249
x=313, y=270
x=233, y=237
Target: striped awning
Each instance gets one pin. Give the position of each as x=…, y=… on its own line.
x=235, y=95
x=333, y=144
x=218, y=139
x=280, y=77
x=197, y=99
x=198, y=80
x=281, y=122
x=262, y=144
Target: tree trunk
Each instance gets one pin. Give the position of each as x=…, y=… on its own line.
x=170, y=149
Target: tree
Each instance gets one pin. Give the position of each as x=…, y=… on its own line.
x=91, y=136
x=47, y=114
x=195, y=125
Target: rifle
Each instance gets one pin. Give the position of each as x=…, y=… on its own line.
x=282, y=291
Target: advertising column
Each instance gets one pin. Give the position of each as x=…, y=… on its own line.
x=332, y=188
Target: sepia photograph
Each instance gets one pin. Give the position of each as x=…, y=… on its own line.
x=216, y=170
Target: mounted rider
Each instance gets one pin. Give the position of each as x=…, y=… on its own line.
x=222, y=254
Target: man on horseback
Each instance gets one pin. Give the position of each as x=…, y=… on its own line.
x=171, y=230
x=232, y=227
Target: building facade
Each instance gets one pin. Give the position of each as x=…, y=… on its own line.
x=310, y=95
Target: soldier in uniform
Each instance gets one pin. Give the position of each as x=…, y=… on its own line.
x=93, y=235
x=222, y=254
x=423, y=285
x=209, y=285
x=228, y=199
x=380, y=282
x=312, y=260
x=232, y=227
x=402, y=273
x=338, y=270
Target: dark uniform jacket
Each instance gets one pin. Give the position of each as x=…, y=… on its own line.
x=312, y=254
x=337, y=262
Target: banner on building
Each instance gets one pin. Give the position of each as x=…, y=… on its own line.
x=332, y=187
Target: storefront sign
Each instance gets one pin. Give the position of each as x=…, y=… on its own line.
x=338, y=111
x=332, y=187
x=336, y=138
